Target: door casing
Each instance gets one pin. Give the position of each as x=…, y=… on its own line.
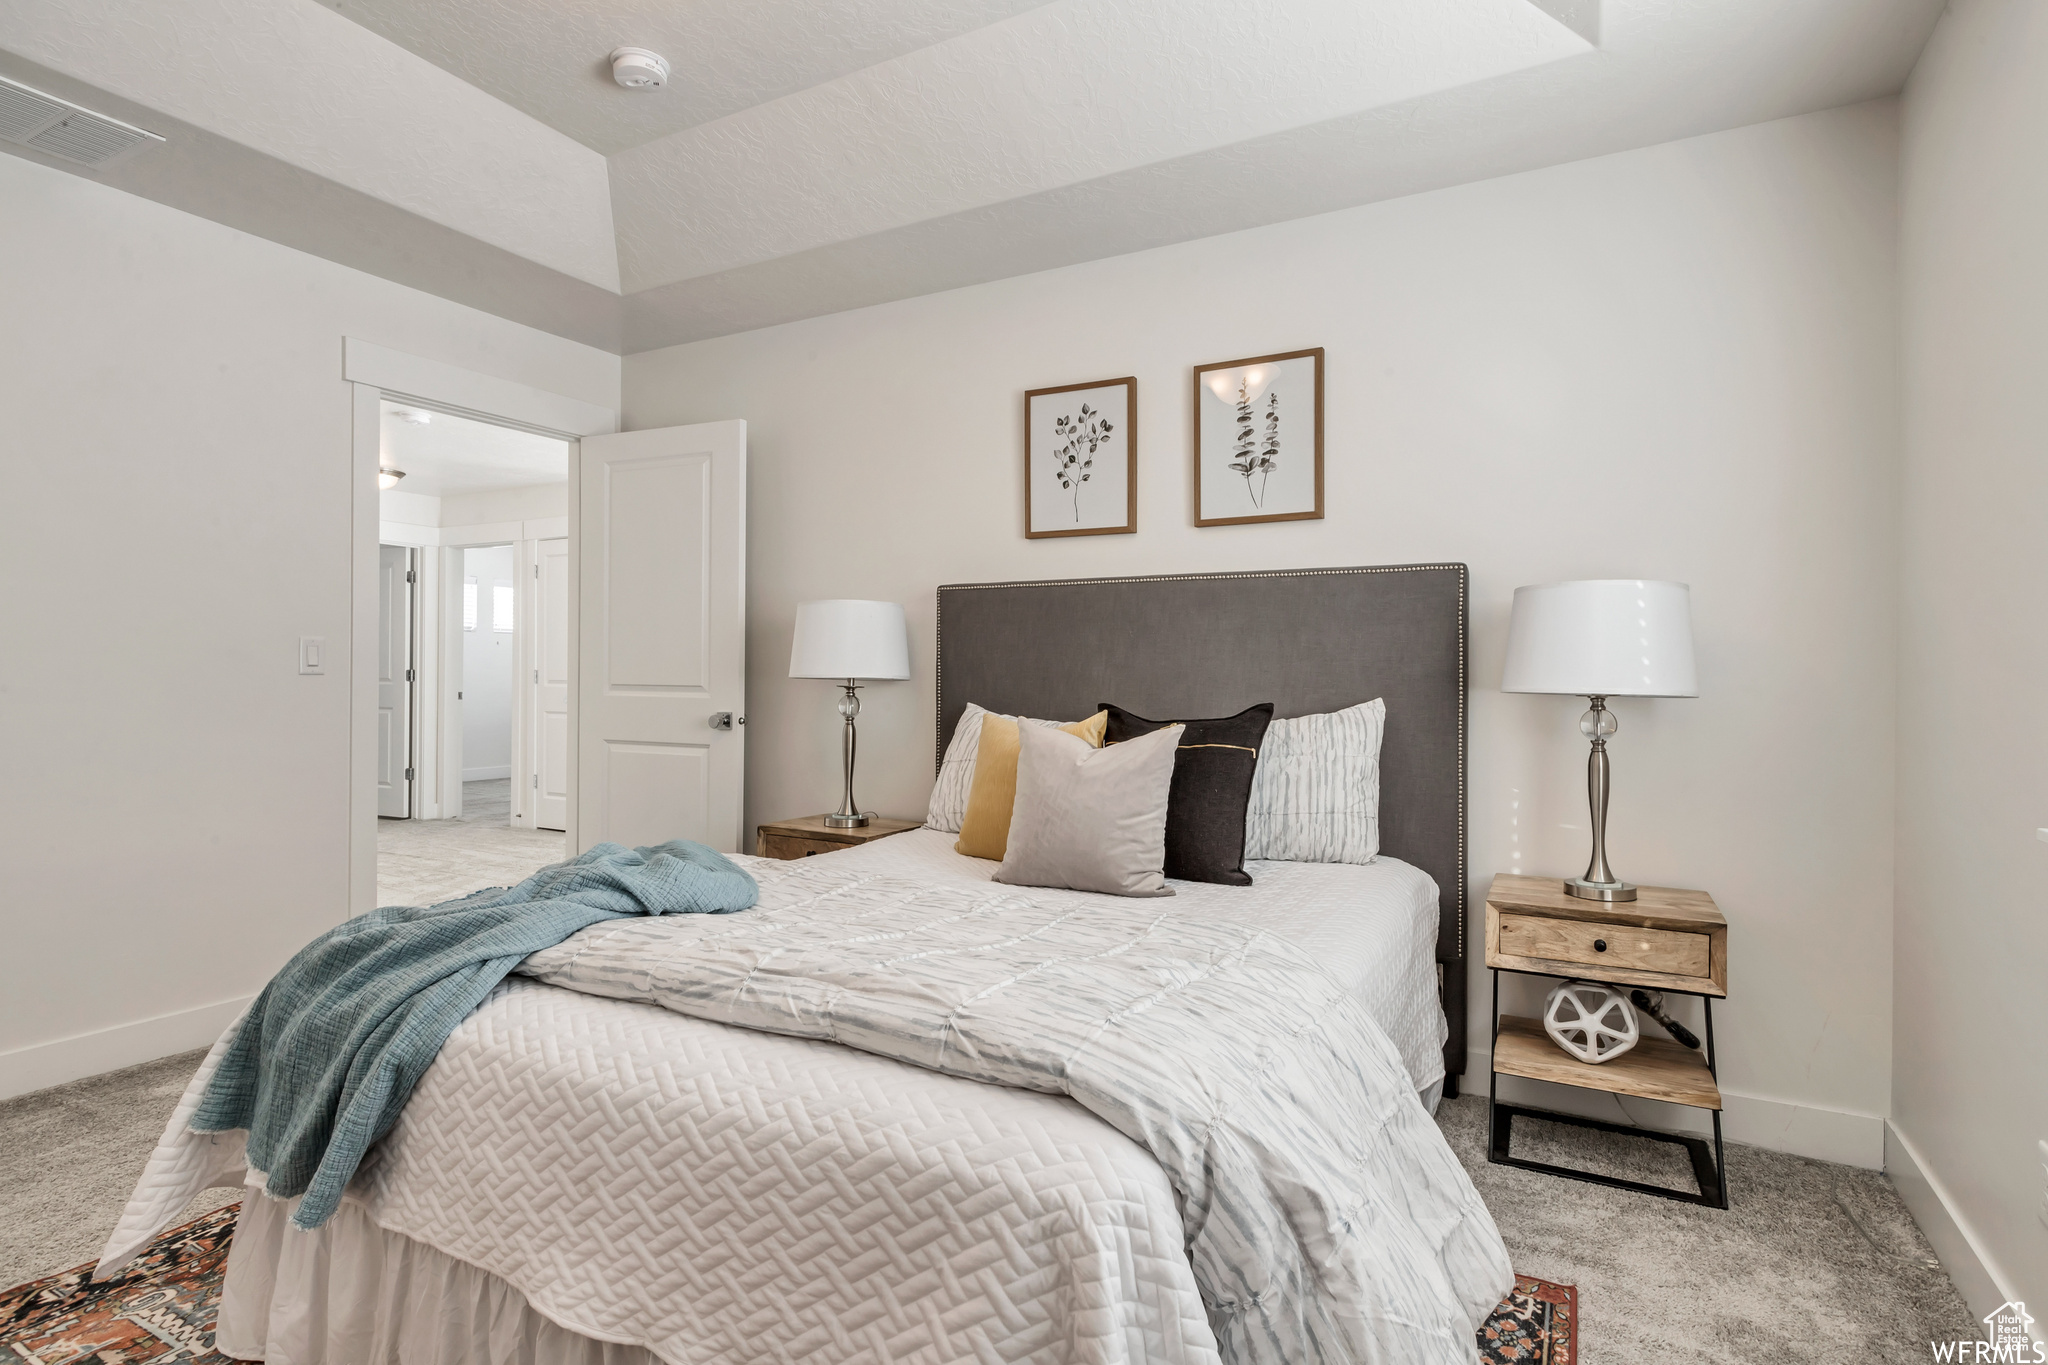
x=373, y=373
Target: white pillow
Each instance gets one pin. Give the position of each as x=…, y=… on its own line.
x=1316, y=790
x=1091, y=819
x=948, y=806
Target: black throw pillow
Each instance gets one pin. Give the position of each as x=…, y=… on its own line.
x=1212, y=784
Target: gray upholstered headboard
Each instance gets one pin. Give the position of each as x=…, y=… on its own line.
x=1307, y=640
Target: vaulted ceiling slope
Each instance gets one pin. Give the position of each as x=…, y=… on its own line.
x=807, y=158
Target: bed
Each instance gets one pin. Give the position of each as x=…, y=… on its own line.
x=585, y=1175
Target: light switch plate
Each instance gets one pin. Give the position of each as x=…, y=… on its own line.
x=312, y=654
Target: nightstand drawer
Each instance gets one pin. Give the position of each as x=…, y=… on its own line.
x=1615, y=946
x=788, y=846
x=809, y=835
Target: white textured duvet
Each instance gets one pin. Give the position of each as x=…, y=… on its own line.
x=724, y=1195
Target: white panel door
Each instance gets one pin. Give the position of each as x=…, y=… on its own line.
x=550, y=708
x=661, y=636
x=394, y=681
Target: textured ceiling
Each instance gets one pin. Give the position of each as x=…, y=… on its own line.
x=1066, y=93
x=810, y=158
x=550, y=59
x=293, y=81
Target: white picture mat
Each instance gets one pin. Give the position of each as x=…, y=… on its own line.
x=1291, y=487
x=1105, y=497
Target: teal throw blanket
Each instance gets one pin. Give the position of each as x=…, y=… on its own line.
x=329, y=1053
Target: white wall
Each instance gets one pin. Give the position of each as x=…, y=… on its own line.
x=1970, y=1086
x=175, y=819
x=487, y=655
x=533, y=502
x=1673, y=363
x=495, y=506
x=408, y=509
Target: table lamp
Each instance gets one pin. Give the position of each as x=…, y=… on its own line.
x=1601, y=638
x=848, y=641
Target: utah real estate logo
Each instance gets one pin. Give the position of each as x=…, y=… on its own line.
x=2008, y=1339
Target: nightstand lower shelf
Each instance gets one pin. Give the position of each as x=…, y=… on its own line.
x=1653, y=1069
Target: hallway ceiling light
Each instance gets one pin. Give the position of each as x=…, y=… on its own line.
x=388, y=478
x=638, y=69
x=412, y=415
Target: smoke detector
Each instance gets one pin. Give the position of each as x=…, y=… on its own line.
x=638, y=69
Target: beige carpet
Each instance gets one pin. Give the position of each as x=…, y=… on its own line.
x=420, y=862
x=1814, y=1263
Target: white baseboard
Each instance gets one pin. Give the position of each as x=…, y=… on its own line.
x=486, y=774
x=1780, y=1125
x=1972, y=1268
x=42, y=1065
x=1804, y=1130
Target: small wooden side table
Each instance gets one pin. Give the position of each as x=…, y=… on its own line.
x=1665, y=940
x=809, y=834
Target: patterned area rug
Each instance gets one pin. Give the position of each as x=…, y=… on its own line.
x=1537, y=1324
x=162, y=1310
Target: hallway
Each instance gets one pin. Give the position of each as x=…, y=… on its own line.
x=421, y=862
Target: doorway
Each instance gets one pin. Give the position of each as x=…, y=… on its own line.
x=470, y=515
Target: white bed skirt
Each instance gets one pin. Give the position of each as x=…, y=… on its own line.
x=352, y=1293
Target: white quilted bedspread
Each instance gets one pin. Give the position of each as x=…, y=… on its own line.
x=723, y=1195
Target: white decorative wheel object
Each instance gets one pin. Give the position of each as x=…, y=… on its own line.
x=1594, y=1023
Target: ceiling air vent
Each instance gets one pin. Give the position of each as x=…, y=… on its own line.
x=61, y=128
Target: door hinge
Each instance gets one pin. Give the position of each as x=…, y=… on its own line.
x=408, y=675
x=458, y=696
x=408, y=575
x=536, y=781
x=536, y=675
x=536, y=571
x=408, y=774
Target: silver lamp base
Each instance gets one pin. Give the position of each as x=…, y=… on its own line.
x=1599, y=883
x=1599, y=891
x=849, y=815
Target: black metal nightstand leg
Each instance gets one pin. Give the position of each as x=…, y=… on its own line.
x=1706, y=1169
x=1492, y=1076
x=1720, y=1153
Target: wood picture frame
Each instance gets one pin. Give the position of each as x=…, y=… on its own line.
x=1239, y=436
x=1073, y=434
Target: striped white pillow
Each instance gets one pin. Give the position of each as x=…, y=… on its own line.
x=1316, y=790
x=948, y=806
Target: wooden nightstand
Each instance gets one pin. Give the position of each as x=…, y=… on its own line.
x=1665, y=940
x=809, y=834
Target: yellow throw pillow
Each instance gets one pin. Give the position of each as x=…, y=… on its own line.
x=985, y=829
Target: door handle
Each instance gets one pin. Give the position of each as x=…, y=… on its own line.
x=721, y=720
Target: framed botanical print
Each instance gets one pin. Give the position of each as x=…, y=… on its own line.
x=1081, y=459
x=1259, y=439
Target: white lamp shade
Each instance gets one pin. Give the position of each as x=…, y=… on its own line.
x=850, y=639
x=1606, y=637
